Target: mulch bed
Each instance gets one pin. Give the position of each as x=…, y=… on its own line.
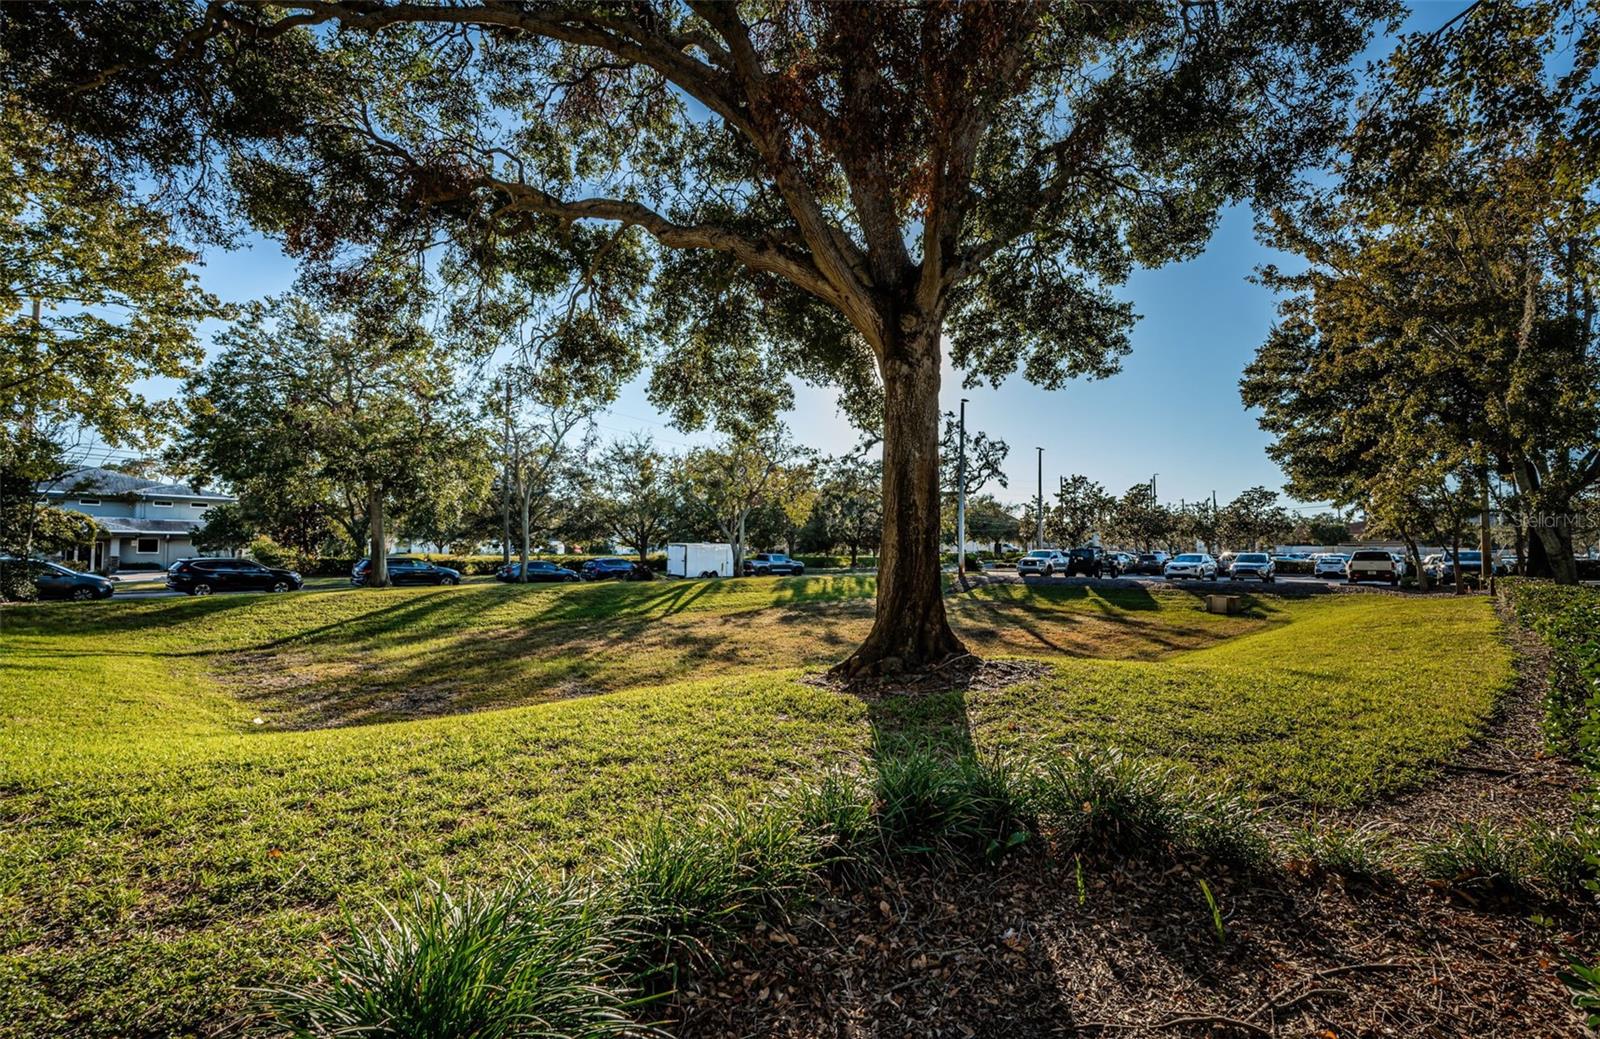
x=1038, y=947
x=1015, y=952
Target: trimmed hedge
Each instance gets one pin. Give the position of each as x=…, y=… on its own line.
x=339, y=566
x=1567, y=617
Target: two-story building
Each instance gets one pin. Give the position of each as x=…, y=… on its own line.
x=148, y=524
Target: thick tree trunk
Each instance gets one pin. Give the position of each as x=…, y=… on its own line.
x=911, y=631
x=1552, y=545
x=378, y=572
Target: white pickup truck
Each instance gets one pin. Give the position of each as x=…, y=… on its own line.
x=1370, y=564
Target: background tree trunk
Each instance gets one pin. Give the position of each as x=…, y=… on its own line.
x=527, y=507
x=910, y=630
x=378, y=572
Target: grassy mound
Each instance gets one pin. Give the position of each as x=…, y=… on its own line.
x=159, y=849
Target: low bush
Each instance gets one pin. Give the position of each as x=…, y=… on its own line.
x=488, y=564
x=1535, y=862
x=678, y=889
x=1358, y=854
x=1568, y=619
x=527, y=960
x=16, y=584
x=818, y=561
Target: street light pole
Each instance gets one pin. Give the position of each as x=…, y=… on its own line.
x=1039, y=509
x=961, y=496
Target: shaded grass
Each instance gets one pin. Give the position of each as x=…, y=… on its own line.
x=1355, y=697
x=158, y=849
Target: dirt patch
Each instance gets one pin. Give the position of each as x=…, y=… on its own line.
x=1021, y=953
x=957, y=674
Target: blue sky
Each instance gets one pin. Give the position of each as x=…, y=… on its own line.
x=1173, y=410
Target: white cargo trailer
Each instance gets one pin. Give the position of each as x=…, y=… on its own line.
x=699, y=559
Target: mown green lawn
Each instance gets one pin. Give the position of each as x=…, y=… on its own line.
x=160, y=850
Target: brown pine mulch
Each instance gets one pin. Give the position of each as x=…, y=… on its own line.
x=1040, y=947
x=1016, y=953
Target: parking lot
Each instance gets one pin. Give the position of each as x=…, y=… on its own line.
x=153, y=585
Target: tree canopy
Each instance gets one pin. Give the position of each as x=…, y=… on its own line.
x=1443, y=325
x=810, y=187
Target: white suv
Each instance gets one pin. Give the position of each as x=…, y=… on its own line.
x=1190, y=565
x=1042, y=562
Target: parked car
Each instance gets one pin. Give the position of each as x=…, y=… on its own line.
x=539, y=570
x=1471, y=564
x=54, y=581
x=1330, y=565
x=1190, y=565
x=764, y=564
x=204, y=576
x=1372, y=565
x=612, y=568
x=1258, y=565
x=1124, y=562
x=1224, y=564
x=1043, y=562
x=406, y=570
x=1147, y=563
x=1090, y=561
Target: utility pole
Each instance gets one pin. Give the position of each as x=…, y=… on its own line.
x=1485, y=541
x=1039, y=510
x=961, y=496
x=1153, y=488
x=505, y=486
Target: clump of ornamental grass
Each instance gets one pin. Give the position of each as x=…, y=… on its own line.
x=1102, y=800
x=1360, y=853
x=1534, y=862
x=525, y=960
x=929, y=803
x=680, y=888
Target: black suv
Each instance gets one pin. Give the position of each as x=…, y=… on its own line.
x=204, y=576
x=611, y=568
x=538, y=570
x=1090, y=561
x=405, y=570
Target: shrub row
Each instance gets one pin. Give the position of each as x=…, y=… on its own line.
x=581, y=958
x=271, y=554
x=1567, y=618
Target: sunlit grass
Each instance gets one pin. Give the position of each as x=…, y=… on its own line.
x=159, y=849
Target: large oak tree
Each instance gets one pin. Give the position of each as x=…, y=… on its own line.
x=840, y=189
x=1444, y=317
